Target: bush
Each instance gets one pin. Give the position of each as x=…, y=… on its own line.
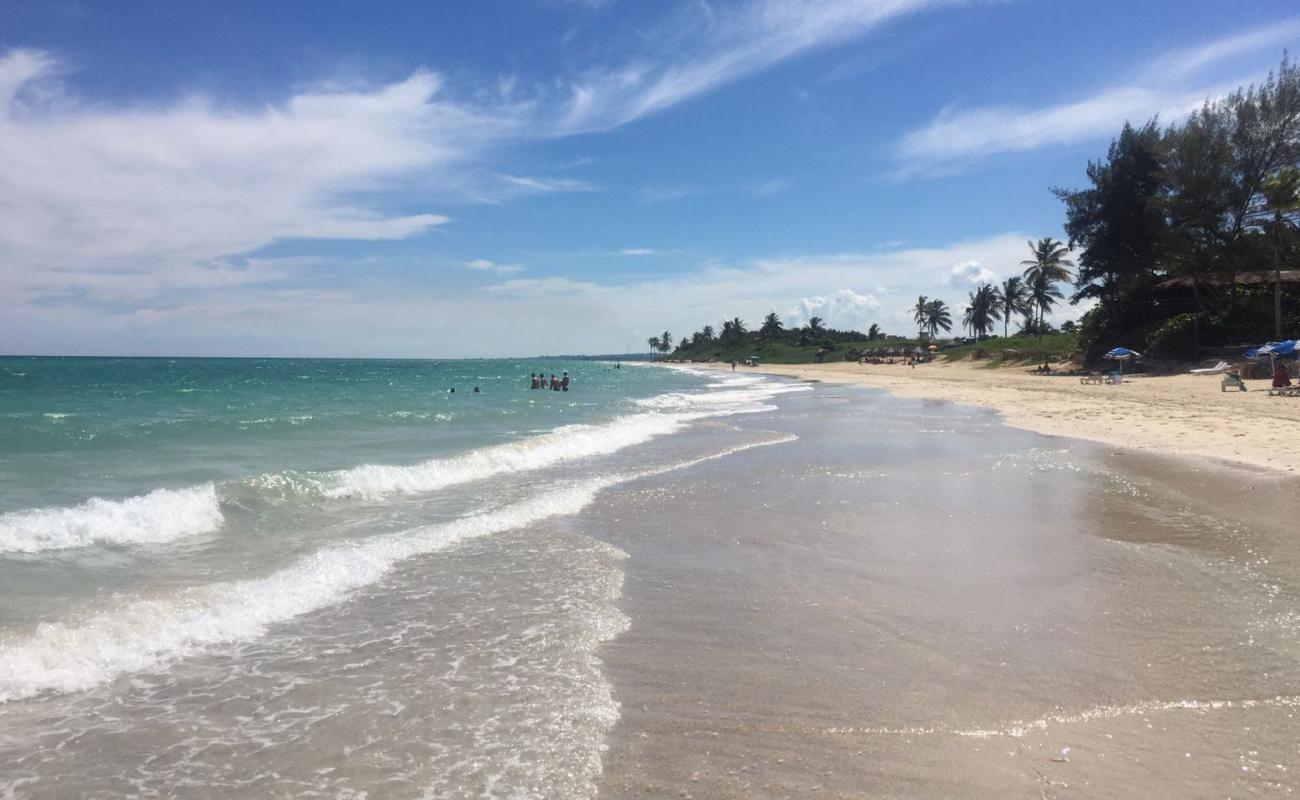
x=1174, y=338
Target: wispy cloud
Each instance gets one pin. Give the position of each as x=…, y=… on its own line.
x=705, y=47
x=484, y=265
x=1163, y=88
x=637, y=251
x=162, y=190
x=548, y=184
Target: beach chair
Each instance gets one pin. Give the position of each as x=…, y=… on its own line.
x=1092, y=379
x=1115, y=378
x=1284, y=391
x=1222, y=366
x=1232, y=381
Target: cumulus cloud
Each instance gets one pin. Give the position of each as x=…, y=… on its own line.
x=843, y=309
x=968, y=274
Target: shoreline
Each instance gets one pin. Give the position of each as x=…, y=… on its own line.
x=1181, y=415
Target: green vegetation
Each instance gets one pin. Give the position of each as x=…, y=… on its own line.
x=1022, y=349
x=1182, y=241
x=1183, y=229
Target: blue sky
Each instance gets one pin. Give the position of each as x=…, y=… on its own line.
x=509, y=178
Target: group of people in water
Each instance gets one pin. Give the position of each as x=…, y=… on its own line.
x=539, y=381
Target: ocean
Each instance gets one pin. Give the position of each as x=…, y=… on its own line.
x=321, y=577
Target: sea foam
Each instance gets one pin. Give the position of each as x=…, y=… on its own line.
x=159, y=516
x=146, y=634
x=664, y=414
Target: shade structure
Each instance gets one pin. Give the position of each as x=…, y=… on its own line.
x=1122, y=354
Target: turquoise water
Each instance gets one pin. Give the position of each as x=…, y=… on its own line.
x=74, y=428
x=221, y=573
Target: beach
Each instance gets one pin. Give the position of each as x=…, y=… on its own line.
x=911, y=600
x=663, y=583
x=1172, y=414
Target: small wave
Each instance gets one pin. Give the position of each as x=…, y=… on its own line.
x=144, y=635
x=159, y=516
x=665, y=414
x=57, y=415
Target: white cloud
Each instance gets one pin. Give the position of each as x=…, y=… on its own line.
x=843, y=309
x=484, y=265
x=637, y=251
x=377, y=321
x=957, y=136
x=710, y=47
x=968, y=275
x=166, y=190
x=548, y=184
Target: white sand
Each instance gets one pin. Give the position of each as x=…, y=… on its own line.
x=1178, y=415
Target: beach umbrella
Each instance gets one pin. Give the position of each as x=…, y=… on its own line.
x=1285, y=349
x=1122, y=354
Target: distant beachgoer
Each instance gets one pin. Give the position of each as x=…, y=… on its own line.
x=452, y=390
x=555, y=383
x=733, y=366
x=536, y=382
x=1281, y=377
x=564, y=382
x=619, y=365
x=476, y=391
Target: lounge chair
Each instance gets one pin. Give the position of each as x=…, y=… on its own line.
x=1222, y=366
x=1115, y=378
x=1284, y=391
x=1092, y=379
x=1231, y=381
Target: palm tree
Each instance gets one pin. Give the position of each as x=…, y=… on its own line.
x=1282, y=194
x=1011, y=299
x=653, y=341
x=665, y=342
x=1048, y=267
x=919, y=314
x=937, y=316
x=707, y=333
x=873, y=333
x=983, y=310
x=1043, y=294
x=733, y=330
x=815, y=325
x=771, y=326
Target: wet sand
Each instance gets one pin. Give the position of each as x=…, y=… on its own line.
x=915, y=600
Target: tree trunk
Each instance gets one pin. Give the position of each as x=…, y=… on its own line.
x=1277, y=278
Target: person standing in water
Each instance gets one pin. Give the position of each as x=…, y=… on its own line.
x=536, y=381
x=564, y=382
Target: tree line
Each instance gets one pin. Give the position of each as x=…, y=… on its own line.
x=1174, y=217
x=1182, y=234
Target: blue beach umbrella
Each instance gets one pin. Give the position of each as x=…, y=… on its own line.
x=1122, y=354
x=1285, y=349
